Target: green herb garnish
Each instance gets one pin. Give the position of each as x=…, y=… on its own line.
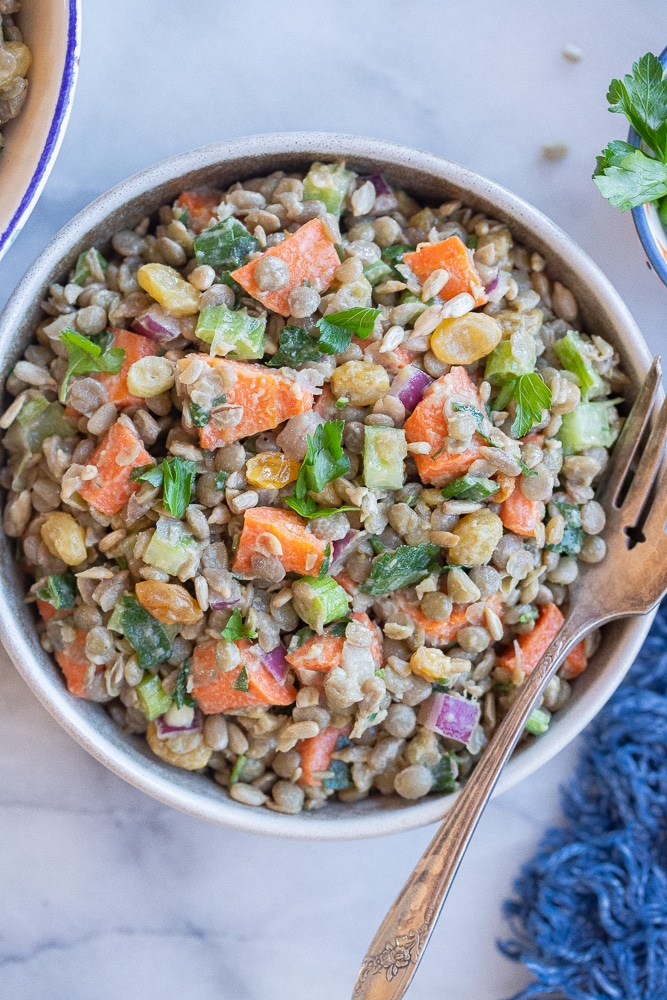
x=199, y=416
x=338, y=628
x=181, y=696
x=221, y=479
x=236, y=629
x=627, y=176
x=472, y=488
x=445, y=773
x=408, y=565
x=307, y=508
x=340, y=776
x=145, y=634
x=236, y=770
x=89, y=354
x=337, y=329
x=395, y=253
x=59, y=590
x=241, y=682
x=479, y=420
x=326, y=562
x=153, y=474
x=531, y=395
x=325, y=459
x=227, y=244
x=295, y=347
x=179, y=479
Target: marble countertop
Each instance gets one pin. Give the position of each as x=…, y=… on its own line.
x=105, y=893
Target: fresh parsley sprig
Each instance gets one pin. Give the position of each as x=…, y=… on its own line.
x=237, y=629
x=337, y=329
x=325, y=459
x=295, y=347
x=177, y=477
x=89, y=354
x=627, y=176
x=531, y=396
x=408, y=565
x=307, y=508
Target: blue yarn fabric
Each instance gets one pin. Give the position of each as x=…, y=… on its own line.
x=590, y=917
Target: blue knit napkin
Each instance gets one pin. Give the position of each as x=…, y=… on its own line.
x=590, y=917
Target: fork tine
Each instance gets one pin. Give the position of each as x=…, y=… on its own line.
x=655, y=526
x=647, y=470
x=629, y=437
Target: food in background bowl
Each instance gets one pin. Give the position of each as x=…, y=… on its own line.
x=302, y=473
x=15, y=59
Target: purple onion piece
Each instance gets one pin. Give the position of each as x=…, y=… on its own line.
x=409, y=386
x=380, y=184
x=164, y=730
x=219, y=603
x=158, y=325
x=276, y=664
x=492, y=285
x=450, y=715
x=342, y=546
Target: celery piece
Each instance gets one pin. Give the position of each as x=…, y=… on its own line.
x=225, y=245
x=341, y=777
x=319, y=601
x=501, y=363
x=385, y=449
x=327, y=182
x=587, y=426
x=232, y=334
x=37, y=420
x=170, y=546
x=408, y=297
x=236, y=770
x=147, y=636
x=538, y=721
x=59, y=590
x=377, y=272
x=569, y=352
x=82, y=269
x=153, y=699
x=445, y=772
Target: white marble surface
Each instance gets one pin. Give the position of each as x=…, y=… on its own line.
x=104, y=893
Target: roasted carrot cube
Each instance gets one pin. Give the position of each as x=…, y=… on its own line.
x=453, y=256
x=216, y=692
x=199, y=205
x=302, y=551
x=74, y=664
x=120, y=451
x=135, y=347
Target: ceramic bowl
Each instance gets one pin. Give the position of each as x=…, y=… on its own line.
x=429, y=178
x=650, y=229
x=52, y=32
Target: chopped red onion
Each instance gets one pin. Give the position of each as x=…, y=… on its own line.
x=409, y=385
x=492, y=285
x=158, y=325
x=341, y=549
x=450, y=715
x=164, y=730
x=276, y=664
x=219, y=603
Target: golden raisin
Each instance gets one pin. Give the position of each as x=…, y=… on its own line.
x=64, y=538
x=465, y=339
x=168, y=602
x=361, y=382
x=271, y=470
x=189, y=751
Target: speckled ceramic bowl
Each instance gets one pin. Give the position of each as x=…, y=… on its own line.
x=650, y=229
x=429, y=178
x=52, y=31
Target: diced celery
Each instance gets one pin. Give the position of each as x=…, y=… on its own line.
x=319, y=601
x=538, y=721
x=327, y=182
x=153, y=699
x=501, y=364
x=82, y=269
x=37, y=420
x=385, y=449
x=569, y=352
x=408, y=297
x=445, y=772
x=226, y=245
x=587, y=426
x=232, y=334
x=59, y=590
x=377, y=272
x=170, y=546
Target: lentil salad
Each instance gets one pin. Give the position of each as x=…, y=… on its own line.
x=15, y=60
x=375, y=370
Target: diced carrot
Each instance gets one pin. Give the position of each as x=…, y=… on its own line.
x=453, y=256
x=135, y=347
x=310, y=256
x=74, y=664
x=404, y=356
x=325, y=404
x=347, y=583
x=302, y=551
x=316, y=754
x=437, y=633
x=575, y=662
x=428, y=422
x=215, y=691
x=507, y=486
x=520, y=515
x=324, y=652
x=534, y=438
x=267, y=398
x=200, y=205
x=46, y=610
x=534, y=644
x=112, y=487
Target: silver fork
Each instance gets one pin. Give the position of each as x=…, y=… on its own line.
x=629, y=581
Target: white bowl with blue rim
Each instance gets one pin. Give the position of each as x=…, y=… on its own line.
x=52, y=32
x=650, y=228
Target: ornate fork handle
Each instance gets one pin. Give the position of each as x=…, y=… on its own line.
x=397, y=948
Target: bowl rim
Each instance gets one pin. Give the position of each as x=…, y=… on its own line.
x=56, y=131
x=119, y=756
x=641, y=212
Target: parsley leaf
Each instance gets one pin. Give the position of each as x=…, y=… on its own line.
x=221, y=479
x=326, y=562
x=472, y=488
x=445, y=773
x=241, y=682
x=479, y=419
x=236, y=770
x=325, y=459
x=89, y=354
x=642, y=97
x=395, y=253
x=224, y=245
x=632, y=180
x=341, y=776
x=181, y=696
x=339, y=628
x=295, y=347
x=307, y=508
x=337, y=329
x=531, y=395
x=530, y=614
x=153, y=474
x=409, y=564
x=179, y=478
x=59, y=590
x=147, y=636
x=199, y=416
x=237, y=629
